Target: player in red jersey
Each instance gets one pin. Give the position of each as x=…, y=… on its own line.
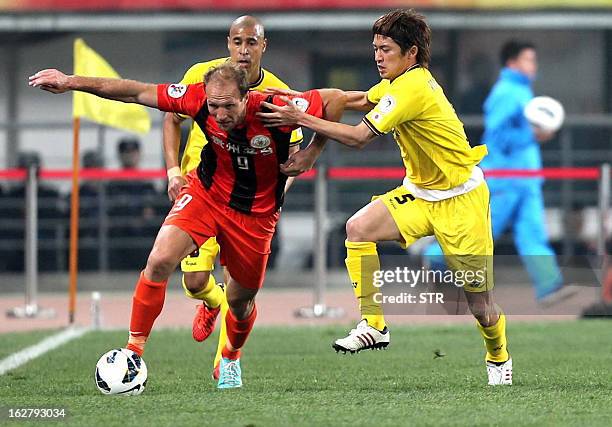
x=235, y=193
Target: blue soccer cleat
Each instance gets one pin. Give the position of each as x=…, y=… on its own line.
x=230, y=374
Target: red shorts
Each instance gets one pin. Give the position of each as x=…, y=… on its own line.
x=244, y=239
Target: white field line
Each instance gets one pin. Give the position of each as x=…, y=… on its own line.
x=22, y=357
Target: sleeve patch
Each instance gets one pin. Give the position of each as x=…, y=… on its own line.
x=386, y=104
x=176, y=90
x=301, y=104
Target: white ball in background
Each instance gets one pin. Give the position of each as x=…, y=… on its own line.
x=545, y=113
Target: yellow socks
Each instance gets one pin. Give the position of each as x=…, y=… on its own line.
x=212, y=294
x=222, y=335
x=495, y=340
x=361, y=262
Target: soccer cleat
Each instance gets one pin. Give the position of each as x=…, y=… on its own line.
x=500, y=373
x=205, y=318
x=204, y=322
x=363, y=337
x=230, y=374
x=215, y=372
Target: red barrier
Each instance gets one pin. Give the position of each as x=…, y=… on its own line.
x=13, y=174
x=337, y=173
x=220, y=5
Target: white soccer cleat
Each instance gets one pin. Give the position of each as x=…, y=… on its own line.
x=500, y=374
x=363, y=337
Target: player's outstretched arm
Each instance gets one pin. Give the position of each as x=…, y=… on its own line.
x=289, y=115
x=131, y=91
x=352, y=99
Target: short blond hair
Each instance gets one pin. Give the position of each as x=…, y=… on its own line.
x=229, y=72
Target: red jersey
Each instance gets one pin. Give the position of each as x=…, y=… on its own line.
x=240, y=168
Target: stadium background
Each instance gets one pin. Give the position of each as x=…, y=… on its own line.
x=312, y=43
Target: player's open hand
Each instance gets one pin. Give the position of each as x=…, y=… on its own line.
x=50, y=80
x=280, y=115
x=299, y=162
x=174, y=186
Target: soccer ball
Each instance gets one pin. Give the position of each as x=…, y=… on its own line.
x=121, y=371
x=545, y=113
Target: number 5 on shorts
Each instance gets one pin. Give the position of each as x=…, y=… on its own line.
x=404, y=198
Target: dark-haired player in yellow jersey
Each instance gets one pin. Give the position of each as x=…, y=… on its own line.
x=246, y=43
x=443, y=194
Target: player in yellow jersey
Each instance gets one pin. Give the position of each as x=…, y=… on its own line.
x=444, y=193
x=246, y=43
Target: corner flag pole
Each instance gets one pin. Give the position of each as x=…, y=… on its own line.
x=133, y=118
x=74, y=221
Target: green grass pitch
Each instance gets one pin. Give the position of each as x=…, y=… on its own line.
x=292, y=377
x=12, y=342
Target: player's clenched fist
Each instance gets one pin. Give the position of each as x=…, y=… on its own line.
x=51, y=80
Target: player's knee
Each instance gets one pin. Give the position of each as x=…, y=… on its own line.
x=236, y=300
x=240, y=305
x=356, y=230
x=196, y=281
x=160, y=265
x=482, y=307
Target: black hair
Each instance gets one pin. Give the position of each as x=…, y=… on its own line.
x=407, y=28
x=129, y=144
x=512, y=49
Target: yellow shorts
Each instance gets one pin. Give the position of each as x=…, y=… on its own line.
x=462, y=226
x=204, y=260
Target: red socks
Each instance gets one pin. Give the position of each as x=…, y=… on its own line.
x=238, y=332
x=147, y=303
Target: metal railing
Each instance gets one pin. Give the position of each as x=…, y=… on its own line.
x=323, y=176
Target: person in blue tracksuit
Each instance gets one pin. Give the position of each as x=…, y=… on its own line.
x=516, y=203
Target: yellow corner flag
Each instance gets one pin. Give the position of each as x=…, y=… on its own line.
x=116, y=114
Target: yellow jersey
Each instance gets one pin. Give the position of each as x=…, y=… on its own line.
x=197, y=140
x=432, y=142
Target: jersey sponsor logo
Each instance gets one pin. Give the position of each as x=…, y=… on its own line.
x=265, y=149
x=260, y=141
x=386, y=104
x=176, y=90
x=301, y=104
